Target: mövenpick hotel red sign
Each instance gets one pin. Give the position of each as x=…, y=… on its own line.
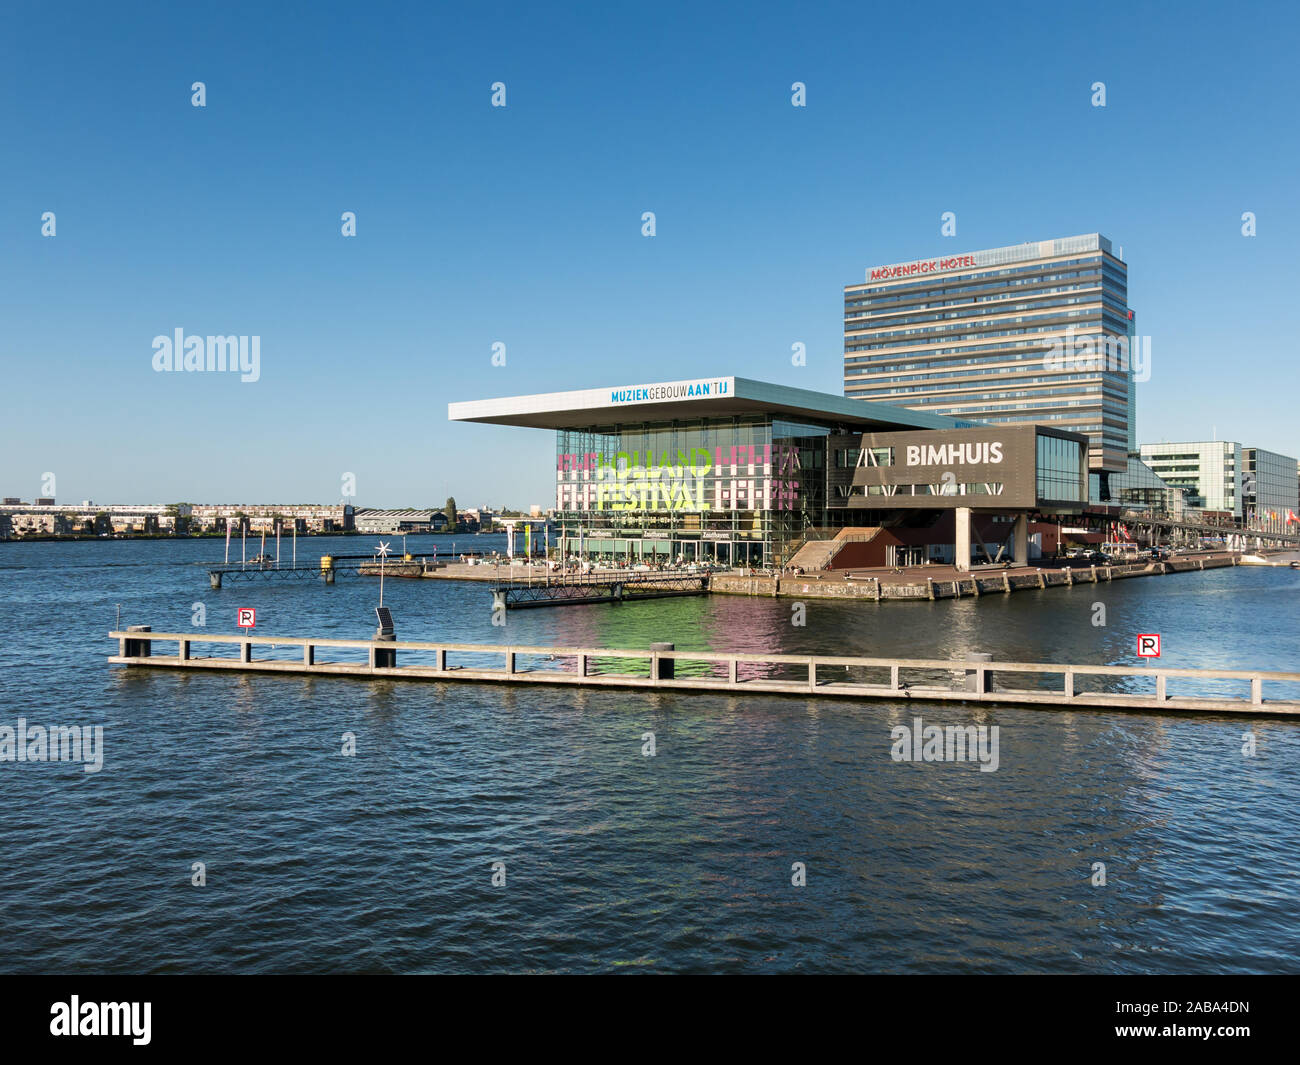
x=925, y=266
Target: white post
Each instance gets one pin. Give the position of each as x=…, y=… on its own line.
x=962, y=560
x=1020, y=554
x=383, y=552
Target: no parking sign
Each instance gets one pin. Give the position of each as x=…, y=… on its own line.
x=246, y=617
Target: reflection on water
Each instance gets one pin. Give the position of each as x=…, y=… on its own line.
x=681, y=861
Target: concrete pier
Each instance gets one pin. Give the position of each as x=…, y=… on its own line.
x=974, y=679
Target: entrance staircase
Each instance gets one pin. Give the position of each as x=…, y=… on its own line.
x=820, y=554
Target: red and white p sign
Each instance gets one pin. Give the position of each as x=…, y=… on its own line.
x=246, y=617
x=1148, y=645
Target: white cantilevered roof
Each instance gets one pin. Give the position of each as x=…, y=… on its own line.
x=707, y=397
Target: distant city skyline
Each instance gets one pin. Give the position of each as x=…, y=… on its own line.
x=484, y=230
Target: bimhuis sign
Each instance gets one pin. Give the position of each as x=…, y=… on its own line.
x=987, y=468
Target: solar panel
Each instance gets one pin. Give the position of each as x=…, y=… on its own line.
x=385, y=620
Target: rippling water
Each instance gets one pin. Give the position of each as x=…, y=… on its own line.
x=682, y=861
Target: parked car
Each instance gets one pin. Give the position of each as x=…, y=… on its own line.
x=1098, y=558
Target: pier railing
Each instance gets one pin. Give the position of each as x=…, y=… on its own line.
x=965, y=679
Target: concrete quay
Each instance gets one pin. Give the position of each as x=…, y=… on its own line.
x=927, y=583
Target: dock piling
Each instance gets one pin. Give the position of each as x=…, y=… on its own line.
x=384, y=657
x=662, y=668
x=136, y=648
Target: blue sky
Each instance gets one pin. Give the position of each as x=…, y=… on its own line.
x=522, y=224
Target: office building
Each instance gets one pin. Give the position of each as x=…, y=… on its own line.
x=1208, y=472
x=1032, y=333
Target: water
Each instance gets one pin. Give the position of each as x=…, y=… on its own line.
x=682, y=861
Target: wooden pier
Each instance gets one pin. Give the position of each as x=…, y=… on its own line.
x=599, y=588
x=326, y=568
x=664, y=669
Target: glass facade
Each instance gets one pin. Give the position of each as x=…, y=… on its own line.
x=1058, y=477
x=1138, y=487
x=1268, y=490
x=735, y=490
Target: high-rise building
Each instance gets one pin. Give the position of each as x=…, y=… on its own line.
x=1036, y=332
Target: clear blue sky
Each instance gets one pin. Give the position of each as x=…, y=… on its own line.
x=522, y=225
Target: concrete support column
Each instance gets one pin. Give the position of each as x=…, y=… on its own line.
x=962, y=557
x=1020, y=554
x=979, y=680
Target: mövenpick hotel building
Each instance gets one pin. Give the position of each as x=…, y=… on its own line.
x=968, y=335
